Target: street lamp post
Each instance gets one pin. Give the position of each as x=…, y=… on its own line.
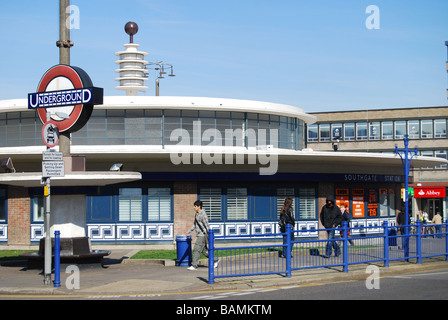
x=160, y=68
x=406, y=157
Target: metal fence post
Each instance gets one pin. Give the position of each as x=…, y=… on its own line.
x=446, y=240
x=345, y=248
x=288, y=251
x=386, y=243
x=211, y=256
x=57, y=259
x=419, y=242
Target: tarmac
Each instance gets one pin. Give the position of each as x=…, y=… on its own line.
x=121, y=276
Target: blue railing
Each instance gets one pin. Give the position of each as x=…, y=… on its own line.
x=420, y=241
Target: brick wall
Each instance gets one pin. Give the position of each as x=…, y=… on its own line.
x=185, y=194
x=19, y=216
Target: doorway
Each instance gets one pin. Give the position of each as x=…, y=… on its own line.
x=432, y=206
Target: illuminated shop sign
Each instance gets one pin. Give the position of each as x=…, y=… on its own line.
x=429, y=192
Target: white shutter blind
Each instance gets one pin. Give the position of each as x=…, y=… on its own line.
x=237, y=204
x=130, y=204
x=307, y=204
x=159, y=204
x=211, y=202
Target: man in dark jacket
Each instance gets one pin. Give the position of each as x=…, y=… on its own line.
x=331, y=217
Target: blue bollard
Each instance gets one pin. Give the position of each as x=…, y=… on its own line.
x=183, y=246
x=57, y=259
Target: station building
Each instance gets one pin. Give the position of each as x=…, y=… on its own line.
x=240, y=157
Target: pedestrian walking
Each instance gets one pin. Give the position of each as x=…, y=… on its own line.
x=345, y=217
x=201, y=227
x=286, y=217
x=331, y=217
x=437, y=220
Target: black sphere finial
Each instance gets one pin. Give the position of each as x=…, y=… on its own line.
x=131, y=28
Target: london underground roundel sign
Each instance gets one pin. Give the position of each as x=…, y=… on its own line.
x=65, y=97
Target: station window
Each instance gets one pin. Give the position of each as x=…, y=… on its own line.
x=159, y=204
x=307, y=204
x=2, y=205
x=130, y=204
x=37, y=209
x=211, y=202
x=237, y=204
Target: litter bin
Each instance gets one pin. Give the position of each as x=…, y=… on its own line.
x=393, y=237
x=183, y=246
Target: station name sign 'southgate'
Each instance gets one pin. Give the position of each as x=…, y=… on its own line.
x=65, y=97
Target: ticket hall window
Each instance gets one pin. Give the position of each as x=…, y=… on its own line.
x=130, y=204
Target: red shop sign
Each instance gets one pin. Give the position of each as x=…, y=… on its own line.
x=429, y=192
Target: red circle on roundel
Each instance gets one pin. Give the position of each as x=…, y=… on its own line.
x=71, y=74
x=50, y=134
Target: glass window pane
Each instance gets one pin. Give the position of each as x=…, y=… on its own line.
x=307, y=204
x=427, y=129
x=349, y=131
x=324, y=132
x=361, y=131
x=130, y=204
x=212, y=202
x=312, y=133
x=237, y=204
x=387, y=130
x=159, y=204
x=336, y=131
x=400, y=129
x=414, y=129
x=2, y=205
x=374, y=131
x=440, y=128
x=38, y=209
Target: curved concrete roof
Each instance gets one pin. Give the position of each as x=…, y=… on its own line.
x=183, y=103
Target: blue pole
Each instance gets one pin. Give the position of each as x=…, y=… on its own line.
x=446, y=240
x=419, y=242
x=386, y=243
x=406, y=164
x=211, y=257
x=345, y=248
x=288, y=251
x=57, y=259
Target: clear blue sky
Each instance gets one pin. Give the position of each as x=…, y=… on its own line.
x=317, y=55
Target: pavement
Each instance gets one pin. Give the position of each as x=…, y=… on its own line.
x=126, y=277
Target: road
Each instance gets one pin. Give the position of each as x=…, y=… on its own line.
x=431, y=285
x=421, y=286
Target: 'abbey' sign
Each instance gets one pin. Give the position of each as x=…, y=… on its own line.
x=65, y=97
